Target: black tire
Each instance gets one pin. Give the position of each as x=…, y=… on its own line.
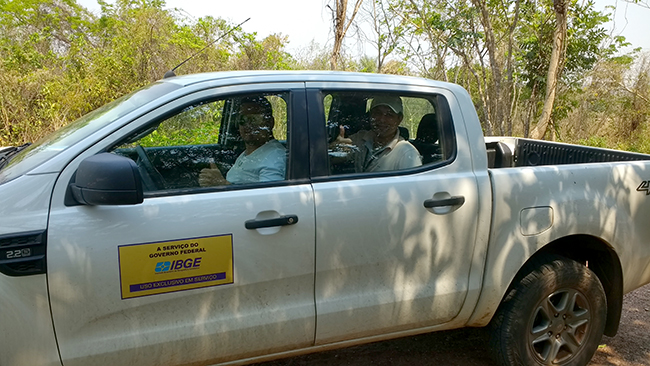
x=554, y=315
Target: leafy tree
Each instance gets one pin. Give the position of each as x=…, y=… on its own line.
x=585, y=44
x=554, y=68
x=58, y=61
x=614, y=108
x=35, y=39
x=268, y=54
x=501, y=52
x=313, y=57
x=388, y=30
x=476, y=39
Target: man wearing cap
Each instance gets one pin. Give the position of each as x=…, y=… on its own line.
x=382, y=148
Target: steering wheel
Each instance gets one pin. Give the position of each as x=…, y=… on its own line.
x=156, y=178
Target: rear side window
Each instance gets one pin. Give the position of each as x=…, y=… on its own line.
x=381, y=132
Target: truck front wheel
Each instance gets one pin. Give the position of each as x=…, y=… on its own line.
x=553, y=315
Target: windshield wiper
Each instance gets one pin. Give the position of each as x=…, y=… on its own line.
x=8, y=153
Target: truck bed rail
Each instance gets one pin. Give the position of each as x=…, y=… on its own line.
x=528, y=152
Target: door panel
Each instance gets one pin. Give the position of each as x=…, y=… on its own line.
x=179, y=279
x=396, y=265
x=268, y=308
x=393, y=245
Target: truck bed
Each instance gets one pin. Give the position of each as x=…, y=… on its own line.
x=505, y=152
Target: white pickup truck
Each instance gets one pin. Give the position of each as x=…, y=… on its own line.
x=113, y=252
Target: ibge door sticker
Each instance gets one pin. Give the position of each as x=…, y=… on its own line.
x=162, y=267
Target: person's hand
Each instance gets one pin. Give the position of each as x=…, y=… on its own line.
x=341, y=139
x=340, y=148
x=341, y=142
x=211, y=176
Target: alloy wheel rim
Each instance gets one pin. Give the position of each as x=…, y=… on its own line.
x=559, y=327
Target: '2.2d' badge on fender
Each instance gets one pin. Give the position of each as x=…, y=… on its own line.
x=169, y=266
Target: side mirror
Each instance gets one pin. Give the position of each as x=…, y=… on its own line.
x=107, y=179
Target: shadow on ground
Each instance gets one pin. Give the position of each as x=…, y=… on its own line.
x=469, y=347
x=454, y=348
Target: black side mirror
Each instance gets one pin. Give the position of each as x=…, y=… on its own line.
x=107, y=179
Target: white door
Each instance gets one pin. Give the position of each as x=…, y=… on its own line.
x=385, y=262
x=179, y=279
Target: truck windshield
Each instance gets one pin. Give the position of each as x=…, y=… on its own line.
x=63, y=138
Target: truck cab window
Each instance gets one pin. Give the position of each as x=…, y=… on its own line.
x=231, y=141
x=381, y=132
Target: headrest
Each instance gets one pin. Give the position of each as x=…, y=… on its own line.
x=428, y=129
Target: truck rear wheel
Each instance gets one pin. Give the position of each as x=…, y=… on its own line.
x=553, y=315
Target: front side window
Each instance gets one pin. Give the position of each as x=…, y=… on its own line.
x=381, y=132
x=235, y=141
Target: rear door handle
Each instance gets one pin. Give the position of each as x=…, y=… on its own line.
x=278, y=221
x=451, y=201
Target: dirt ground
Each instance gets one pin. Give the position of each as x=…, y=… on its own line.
x=468, y=347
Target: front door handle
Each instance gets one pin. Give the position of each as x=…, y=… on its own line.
x=451, y=201
x=278, y=221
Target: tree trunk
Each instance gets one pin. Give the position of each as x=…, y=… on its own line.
x=554, y=68
x=341, y=27
x=500, y=88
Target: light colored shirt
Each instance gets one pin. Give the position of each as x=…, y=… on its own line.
x=266, y=164
x=396, y=155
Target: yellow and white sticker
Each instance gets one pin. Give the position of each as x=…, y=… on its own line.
x=170, y=266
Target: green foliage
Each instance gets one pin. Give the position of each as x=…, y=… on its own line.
x=614, y=105
x=587, y=43
x=313, y=57
x=367, y=64
x=414, y=109
x=201, y=135
x=586, y=35
x=269, y=54
x=196, y=125
x=59, y=62
x=595, y=141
